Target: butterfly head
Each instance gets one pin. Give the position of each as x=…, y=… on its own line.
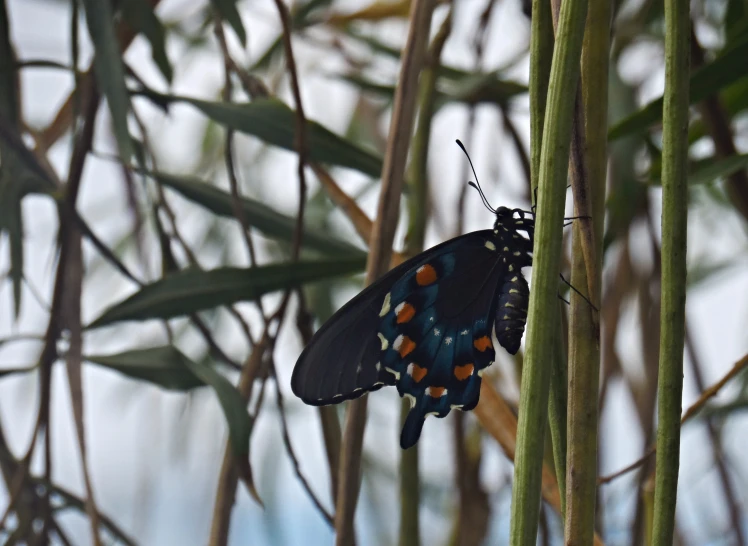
x=514, y=220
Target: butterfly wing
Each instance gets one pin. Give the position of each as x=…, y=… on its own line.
x=340, y=362
x=436, y=329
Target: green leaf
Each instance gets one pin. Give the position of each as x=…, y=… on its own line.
x=728, y=68
x=140, y=15
x=5, y=372
x=705, y=171
x=275, y=123
x=169, y=368
x=228, y=11
x=234, y=406
x=164, y=366
x=718, y=169
x=472, y=89
x=734, y=99
x=258, y=215
x=110, y=73
x=194, y=290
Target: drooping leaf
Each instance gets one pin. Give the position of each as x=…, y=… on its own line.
x=140, y=15
x=110, y=73
x=169, y=368
x=229, y=12
x=728, y=68
x=718, y=169
x=5, y=372
x=273, y=122
x=704, y=171
x=164, y=366
x=472, y=89
x=374, y=12
x=233, y=405
x=258, y=215
x=194, y=290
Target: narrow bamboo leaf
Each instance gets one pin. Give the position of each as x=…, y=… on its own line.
x=5, y=372
x=164, y=366
x=229, y=12
x=734, y=99
x=376, y=11
x=11, y=222
x=725, y=70
x=725, y=410
x=275, y=123
x=194, y=290
x=473, y=89
x=718, y=169
x=169, y=368
x=110, y=73
x=706, y=170
x=233, y=405
x=11, y=219
x=300, y=18
x=258, y=215
x=140, y=15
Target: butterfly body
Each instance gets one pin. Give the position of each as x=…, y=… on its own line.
x=426, y=326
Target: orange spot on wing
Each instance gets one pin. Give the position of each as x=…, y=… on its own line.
x=406, y=346
x=463, y=372
x=482, y=343
x=406, y=312
x=436, y=392
x=426, y=275
x=417, y=373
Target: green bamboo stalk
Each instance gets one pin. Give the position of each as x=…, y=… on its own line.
x=584, y=335
x=541, y=54
x=557, y=404
x=543, y=310
x=674, y=229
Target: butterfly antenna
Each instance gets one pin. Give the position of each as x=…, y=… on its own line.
x=476, y=184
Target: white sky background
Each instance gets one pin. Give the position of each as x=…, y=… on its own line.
x=154, y=456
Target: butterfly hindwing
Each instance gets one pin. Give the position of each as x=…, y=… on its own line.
x=436, y=330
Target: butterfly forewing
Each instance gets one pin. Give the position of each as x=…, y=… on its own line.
x=340, y=361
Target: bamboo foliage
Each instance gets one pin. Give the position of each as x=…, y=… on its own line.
x=204, y=185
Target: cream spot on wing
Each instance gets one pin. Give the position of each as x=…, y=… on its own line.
x=384, y=341
x=448, y=340
x=465, y=332
x=393, y=372
x=437, y=332
x=385, y=305
x=490, y=245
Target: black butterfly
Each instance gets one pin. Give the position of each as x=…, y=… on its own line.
x=426, y=325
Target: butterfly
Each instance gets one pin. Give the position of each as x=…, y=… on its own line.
x=426, y=326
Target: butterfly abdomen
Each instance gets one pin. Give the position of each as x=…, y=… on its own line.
x=511, y=312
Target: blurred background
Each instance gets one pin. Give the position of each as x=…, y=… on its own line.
x=155, y=439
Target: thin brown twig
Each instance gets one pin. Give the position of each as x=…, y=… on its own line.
x=393, y=169
x=289, y=448
x=692, y=410
x=70, y=313
x=229, y=161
